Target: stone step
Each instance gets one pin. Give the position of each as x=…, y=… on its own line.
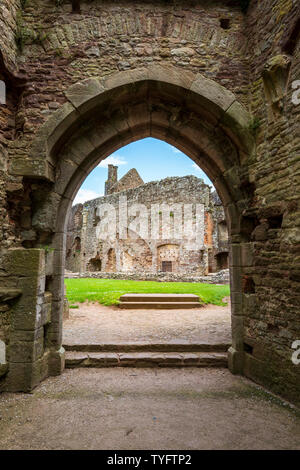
x=142, y=346
x=159, y=305
x=159, y=298
x=76, y=359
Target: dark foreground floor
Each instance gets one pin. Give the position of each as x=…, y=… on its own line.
x=124, y=408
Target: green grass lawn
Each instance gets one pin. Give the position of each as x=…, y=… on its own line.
x=108, y=291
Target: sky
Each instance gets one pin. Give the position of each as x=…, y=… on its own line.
x=152, y=158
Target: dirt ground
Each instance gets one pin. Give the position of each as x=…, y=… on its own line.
x=126, y=408
x=96, y=323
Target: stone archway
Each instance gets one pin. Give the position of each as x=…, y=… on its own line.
x=195, y=114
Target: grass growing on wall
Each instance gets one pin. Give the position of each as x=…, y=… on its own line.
x=108, y=291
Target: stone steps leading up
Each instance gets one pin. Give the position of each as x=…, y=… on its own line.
x=76, y=359
x=159, y=301
x=159, y=306
x=159, y=298
x=142, y=346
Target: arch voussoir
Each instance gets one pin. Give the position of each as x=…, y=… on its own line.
x=101, y=115
x=88, y=95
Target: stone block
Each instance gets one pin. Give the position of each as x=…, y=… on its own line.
x=44, y=218
x=237, y=327
x=235, y=361
x=2, y=352
x=236, y=121
x=26, y=351
x=236, y=255
x=236, y=279
x=214, y=96
x=27, y=263
x=9, y=294
x=3, y=370
x=56, y=362
x=82, y=95
x=247, y=256
x=24, y=377
x=54, y=128
x=46, y=313
x=27, y=313
x=35, y=168
x=66, y=311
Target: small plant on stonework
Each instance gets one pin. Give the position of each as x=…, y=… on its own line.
x=58, y=52
x=19, y=34
x=171, y=214
x=25, y=35
x=254, y=125
x=47, y=248
x=23, y=4
x=39, y=37
x=19, y=39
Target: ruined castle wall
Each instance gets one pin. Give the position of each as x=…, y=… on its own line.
x=271, y=280
x=61, y=48
x=8, y=67
x=129, y=181
x=58, y=48
x=73, y=243
x=8, y=73
x=218, y=255
x=138, y=254
x=8, y=27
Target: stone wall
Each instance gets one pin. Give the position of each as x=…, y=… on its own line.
x=25, y=314
x=10, y=187
x=9, y=24
x=255, y=57
x=14, y=80
x=136, y=251
x=61, y=48
x=271, y=280
x=221, y=277
x=129, y=181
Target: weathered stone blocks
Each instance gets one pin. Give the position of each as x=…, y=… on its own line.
x=256, y=60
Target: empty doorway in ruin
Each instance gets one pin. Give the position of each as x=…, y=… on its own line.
x=168, y=200
x=192, y=113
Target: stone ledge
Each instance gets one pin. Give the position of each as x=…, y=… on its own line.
x=222, y=277
x=9, y=294
x=146, y=359
x=3, y=369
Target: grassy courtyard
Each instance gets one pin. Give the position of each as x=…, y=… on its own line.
x=108, y=291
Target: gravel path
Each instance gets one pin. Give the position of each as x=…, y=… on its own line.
x=96, y=323
x=147, y=409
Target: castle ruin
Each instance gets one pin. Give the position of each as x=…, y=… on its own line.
x=217, y=79
x=168, y=251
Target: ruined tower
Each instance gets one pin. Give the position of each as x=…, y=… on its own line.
x=112, y=179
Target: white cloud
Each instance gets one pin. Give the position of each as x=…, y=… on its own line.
x=196, y=167
x=203, y=175
x=84, y=195
x=175, y=150
x=113, y=159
